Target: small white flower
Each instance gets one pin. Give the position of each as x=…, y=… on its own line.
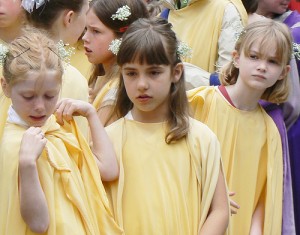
x=3, y=53
x=296, y=50
x=63, y=53
x=114, y=46
x=122, y=13
x=183, y=50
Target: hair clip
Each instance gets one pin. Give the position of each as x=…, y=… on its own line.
x=296, y=51
x=3, y=53
x=183, y=50
x=122, y=13
x=114, y=46
x=28, y=5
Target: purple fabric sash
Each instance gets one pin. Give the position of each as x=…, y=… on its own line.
x=288, y=221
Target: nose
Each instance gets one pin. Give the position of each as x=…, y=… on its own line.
x=262, y=66
x=39, y=105
x=85, y=36
x=143, y=83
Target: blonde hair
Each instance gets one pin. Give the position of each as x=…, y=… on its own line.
x=269, y=33
x=34, y=50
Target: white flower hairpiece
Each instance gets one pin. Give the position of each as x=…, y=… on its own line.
x=114, y=46
x=183, y=50
x=28, y=5
x=122, y=13
x=3, y=53
x=296, y=50
x=65, y=53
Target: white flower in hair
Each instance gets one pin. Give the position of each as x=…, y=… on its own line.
x=3, y=53
x=122, y=13
x=183, y=50
x=114, y=46
x=65, y=54
x=296, y=50
x=28, y=5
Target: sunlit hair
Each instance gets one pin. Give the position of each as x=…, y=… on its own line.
x=104, y=9
x=152, y=42
x=46, y=15
x=271, y=36
x=33, y=51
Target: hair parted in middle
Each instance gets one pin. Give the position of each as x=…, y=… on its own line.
x=270, y=34
x=33, y=50
x=152, y=41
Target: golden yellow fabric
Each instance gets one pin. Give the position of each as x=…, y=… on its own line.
x=162, y=189
x=69, y=177
x=199, y=25
x=110, y=85
x=251, y=154
x=80, y=61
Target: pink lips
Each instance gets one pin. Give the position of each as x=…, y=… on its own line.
x=143, y=98
x=40, y=118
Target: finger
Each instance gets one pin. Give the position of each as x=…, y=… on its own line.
x=233, y=212
x=234, y=204
x=231, y=194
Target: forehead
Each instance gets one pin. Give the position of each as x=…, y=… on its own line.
x=267, y=48
x=38, y=81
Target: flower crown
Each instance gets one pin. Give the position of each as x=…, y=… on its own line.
x=63, y=53
x=28, y=5
x=122, y=13
x=183, y=50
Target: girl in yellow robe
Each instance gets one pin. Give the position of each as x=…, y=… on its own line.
x=101, y=31
x=50, y=180
x=250, y=141
x=171, y=179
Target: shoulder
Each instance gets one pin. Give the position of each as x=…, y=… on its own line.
x=115, y=126
x=200, y=130
x=200, y=92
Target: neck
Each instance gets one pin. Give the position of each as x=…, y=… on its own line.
x=264, y=13
x=244, y=98
x=10, y=33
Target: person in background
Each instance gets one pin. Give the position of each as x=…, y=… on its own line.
x=106, y=22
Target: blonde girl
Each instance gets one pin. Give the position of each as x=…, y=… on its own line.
x=50, y=181
x=251, y=144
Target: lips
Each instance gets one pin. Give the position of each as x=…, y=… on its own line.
x=87, y=50
x=38, y=118
x=259, y=76
x=143, y=98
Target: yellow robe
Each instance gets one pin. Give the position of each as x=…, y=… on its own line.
x=199, y=25
x=251, y=154
x=162, y=189
x=69, y=177
x=74, y=86
x=80, y=61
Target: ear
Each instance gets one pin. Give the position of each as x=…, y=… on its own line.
x=286, y=69
x=177, y=72
x=5, y=87
x=68, y=17
x=236, y=59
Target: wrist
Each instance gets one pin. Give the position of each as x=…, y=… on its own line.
x=26, y=162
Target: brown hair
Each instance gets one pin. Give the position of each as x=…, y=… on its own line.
x=104, y=10
x=270, y=33
x=152, y=41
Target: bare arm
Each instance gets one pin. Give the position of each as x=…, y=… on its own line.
x=258, y=219
x=218, y=217
x=102, y=147
x=33, y=204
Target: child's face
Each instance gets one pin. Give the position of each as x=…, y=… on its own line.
x=148, y=88
x=10, y=13
x=269, y=7
x=260, y=71
x=97, y=39
x=34, y=96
